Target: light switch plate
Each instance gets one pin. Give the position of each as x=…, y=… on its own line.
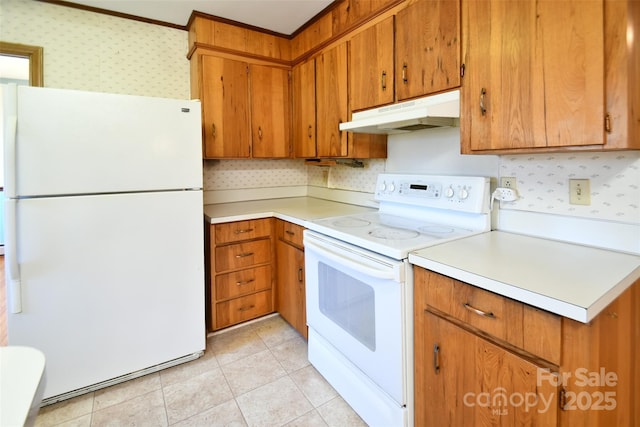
x=579, y=192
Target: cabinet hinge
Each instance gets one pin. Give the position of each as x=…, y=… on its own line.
x=462, y=70
x=607, y=123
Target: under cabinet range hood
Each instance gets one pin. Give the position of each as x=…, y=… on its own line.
x=432, y=111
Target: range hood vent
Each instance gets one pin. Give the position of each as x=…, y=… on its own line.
x=432, y=111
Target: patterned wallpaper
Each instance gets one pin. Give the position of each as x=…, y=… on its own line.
x=543, y=183
x=91, y=51
x=243, y=174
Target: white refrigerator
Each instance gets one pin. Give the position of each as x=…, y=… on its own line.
x=103, y=234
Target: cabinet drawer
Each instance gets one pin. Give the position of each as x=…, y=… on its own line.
x=491, y=313
x=290, y=233
x=536, y=331
x=242, y=230
x=231, y=285
x=244, y=308
x=241, y=255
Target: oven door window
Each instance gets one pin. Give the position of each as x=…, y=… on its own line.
x=348, y=302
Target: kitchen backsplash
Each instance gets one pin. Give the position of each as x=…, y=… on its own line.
x=91, y=51
x=543, y=183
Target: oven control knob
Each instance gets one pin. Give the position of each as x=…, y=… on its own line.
x=391, y=187
x=383, y=186
x=449, y=192
x=463, y=193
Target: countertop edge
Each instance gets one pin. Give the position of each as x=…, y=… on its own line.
x=553, y=305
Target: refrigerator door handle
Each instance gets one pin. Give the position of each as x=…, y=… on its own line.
x=14, y=285
x=10, y=105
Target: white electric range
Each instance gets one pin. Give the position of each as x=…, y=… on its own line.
x=359, y=286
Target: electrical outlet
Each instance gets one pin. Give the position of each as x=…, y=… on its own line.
x=508, y=182
x=579, y=192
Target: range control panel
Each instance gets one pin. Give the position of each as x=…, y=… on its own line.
x=461, y=193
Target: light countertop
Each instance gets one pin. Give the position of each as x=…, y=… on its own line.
x=571, y=280
x=21, y=384
x=297, y=210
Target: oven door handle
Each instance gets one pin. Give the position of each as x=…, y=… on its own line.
x=340, y=259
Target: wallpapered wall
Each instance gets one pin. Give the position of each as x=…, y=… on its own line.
x=543, y=183
x=91, y=51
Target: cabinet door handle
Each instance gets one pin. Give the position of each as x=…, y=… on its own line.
x=478, y=311
x=404, y=73
x=436, y=358
x=384, y=80
x=246, y=230
x=244, y=255
x=309, y=131
x=483, y=109
x=245, y=282
x=260, y=132
x=213, y=130
x=245, y=308
x=300, y=275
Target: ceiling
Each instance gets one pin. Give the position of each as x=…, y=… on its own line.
x=280, y=16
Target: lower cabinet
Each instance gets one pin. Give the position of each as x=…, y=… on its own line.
x=290, y=294
x=240, y=272
x=485, y=360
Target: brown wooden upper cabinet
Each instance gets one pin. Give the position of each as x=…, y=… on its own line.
x=537, y=78
x=246, y=109
x=427, y=48
x=320, y=104
x=414, y=53
x=371, y=70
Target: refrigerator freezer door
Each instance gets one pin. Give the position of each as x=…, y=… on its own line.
x=111, y=284
x=74, y=142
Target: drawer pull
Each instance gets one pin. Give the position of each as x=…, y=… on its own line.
x=245, y=308
x=478, y=311
x=245, y=282
x=290, y=233
x=436, y=358
x=248, y=230
x=244, y=255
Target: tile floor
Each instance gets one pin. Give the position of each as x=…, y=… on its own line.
x=255, y=375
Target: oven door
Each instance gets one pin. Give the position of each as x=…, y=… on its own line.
x=355, y=302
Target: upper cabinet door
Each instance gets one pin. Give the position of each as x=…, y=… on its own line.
x=270, y=112
x=331, y=102
x=304, y=109
x=225, y=105
x=371, y=71
x=534, y=74
x=427, y=48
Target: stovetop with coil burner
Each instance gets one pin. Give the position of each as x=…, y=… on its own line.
x=416, y=211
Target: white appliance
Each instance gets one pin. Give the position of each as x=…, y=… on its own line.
x=104, y=234
x=442, y=109
x=359, y=286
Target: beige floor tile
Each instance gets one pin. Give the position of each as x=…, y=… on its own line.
x=145, y=410
x=195, y=395
x=273, y=404
x=275, y=330
x=124, y=391
x=233, y=345
x=314, y=386
x=226, y=414
x=252, y=371
x=310, y=419
x=188, y=370
x=337, y=413
x=65, y=411
x=292, y=354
